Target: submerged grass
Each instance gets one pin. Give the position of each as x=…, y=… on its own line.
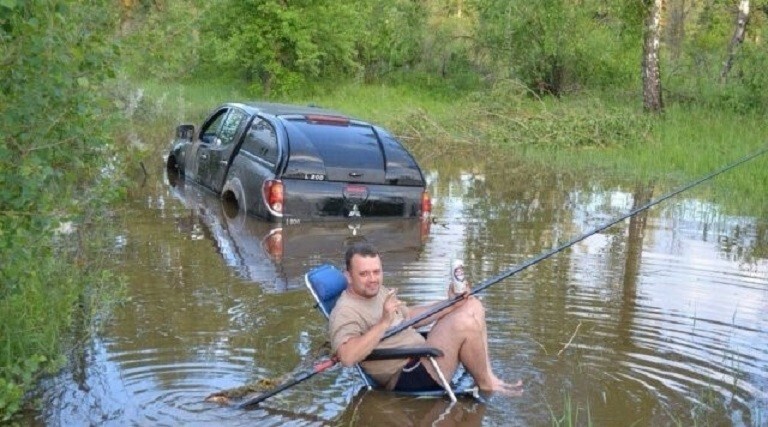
x=572, y=414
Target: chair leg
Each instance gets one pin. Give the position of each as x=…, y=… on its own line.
x=446, y=385
x=360, y=371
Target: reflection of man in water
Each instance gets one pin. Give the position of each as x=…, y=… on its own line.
x=366, y=409
x=366, y=309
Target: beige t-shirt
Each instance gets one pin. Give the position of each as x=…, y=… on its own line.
x=353, y=316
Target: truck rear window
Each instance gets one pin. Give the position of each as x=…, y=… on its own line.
x=339, y=150
x=342, y=146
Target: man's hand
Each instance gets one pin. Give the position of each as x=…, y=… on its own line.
x=391, y=306
x=465, y=294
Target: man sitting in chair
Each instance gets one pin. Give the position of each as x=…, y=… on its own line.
x=366, y=309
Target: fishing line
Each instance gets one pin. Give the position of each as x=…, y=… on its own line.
x=533, y=261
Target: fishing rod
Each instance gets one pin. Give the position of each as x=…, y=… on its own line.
x=329, y=363
x=299, y=378
x=533, y=261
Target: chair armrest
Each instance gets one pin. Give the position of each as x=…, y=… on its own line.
x=403, y=353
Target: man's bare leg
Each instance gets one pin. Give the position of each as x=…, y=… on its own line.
x=462, y=336
x=518, y=383
x=482, y=347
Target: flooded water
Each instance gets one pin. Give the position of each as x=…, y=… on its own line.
x=659, y=320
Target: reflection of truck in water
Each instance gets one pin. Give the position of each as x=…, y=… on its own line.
x=277, y=256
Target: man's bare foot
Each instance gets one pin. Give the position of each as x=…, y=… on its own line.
x=513, y=390
x=500, y=386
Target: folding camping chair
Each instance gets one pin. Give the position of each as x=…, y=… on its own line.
x=326, y=282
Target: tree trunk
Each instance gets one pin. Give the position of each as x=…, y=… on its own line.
x=637, y=227
x=738, y=37
x=650, y=68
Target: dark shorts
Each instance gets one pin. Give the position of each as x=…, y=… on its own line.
x=415, y=377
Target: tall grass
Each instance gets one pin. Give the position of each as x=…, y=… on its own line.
x=688, y=142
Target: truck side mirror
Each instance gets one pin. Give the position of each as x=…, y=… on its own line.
x=185, y=131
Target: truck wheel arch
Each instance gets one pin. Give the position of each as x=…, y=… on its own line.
x=233, y=196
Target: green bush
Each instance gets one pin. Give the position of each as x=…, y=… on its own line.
x=553, y=47
x=56, y=121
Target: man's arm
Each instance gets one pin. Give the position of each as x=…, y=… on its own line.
x=355, y=349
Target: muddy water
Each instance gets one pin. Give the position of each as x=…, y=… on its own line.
x=659, y=320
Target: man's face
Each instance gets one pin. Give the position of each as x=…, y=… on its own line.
x=364, y=275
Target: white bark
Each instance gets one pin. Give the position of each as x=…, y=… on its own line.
x=650, y=67
x=737, y=39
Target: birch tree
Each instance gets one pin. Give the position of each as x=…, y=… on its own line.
x=738, y=37
x=650, y=65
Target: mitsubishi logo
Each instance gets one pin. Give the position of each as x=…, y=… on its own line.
x=354, y=212
x=354, y=228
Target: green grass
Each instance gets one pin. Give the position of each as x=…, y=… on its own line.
x=378, y=103
x=688, y=143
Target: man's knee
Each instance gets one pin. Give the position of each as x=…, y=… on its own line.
x=474, y=307
x=471, y=316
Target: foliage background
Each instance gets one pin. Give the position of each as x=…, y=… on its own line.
x=560, y=47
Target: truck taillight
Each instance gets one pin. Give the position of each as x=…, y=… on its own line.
x=273, y=196
x=426, y=204
x=426, y=224
x=273, y=244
